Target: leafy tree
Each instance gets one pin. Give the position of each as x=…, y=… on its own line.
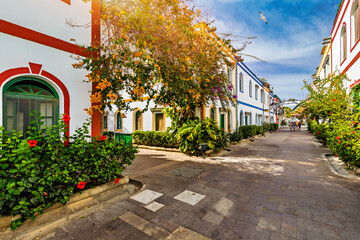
x=157, y=50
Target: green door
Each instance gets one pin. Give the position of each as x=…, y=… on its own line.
x=222, y=122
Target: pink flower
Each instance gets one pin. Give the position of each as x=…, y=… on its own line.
x=32, y=143
x=81, y=185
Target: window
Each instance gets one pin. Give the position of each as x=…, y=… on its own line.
x=241, y=119
x=213, y=113
x=262, y=95
x=105, y=122
x=138, y=121
x=118, y=121
x=343, y=43
x=256, y=91
x=159, y=122
x=229, y=121
x=241, y=82
x=250, y=89
x=24, y=95
x=355, y=22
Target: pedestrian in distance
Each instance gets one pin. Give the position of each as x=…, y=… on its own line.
x=300, y=125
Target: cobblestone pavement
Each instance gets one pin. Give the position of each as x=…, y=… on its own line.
x=277, y=187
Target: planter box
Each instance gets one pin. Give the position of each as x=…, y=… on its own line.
x=79, y=205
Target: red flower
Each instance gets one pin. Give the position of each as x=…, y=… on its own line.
x=336, y=155
x=337, y=137
x=343, y=133
x=45, y=193
x=353, y=132
x=36, y=214
x=103, y=138
x=81, y=185
x=330, y=113
x=334, y=100
x=66, y=117
x=66, y=143
x=354, y=122
x=339, y=142
x=117, y=180
x=318, y=133
x=32, y=143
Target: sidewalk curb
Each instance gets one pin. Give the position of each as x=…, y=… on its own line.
x=79, y=206
x=338, y=167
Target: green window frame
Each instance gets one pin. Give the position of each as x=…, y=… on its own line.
x=105, y=122
x=24, y=95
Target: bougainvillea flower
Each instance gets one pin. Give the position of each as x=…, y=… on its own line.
x=235, y=96
x=81, y=185
x=66, y=117
x=337, y=137
x=45, y=193
x=32, y=143
x=117, y=180
x=103, y=138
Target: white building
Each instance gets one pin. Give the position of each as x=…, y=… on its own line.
x=345, y=47
x=36, y=71
x=252, y=107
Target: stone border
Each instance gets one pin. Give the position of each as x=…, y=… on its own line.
x=338, y=167
x=79, y=205
x=158, y=148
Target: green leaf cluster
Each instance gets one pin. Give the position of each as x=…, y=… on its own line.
x=34, y=178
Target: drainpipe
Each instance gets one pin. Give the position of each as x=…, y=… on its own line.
x=236, y=93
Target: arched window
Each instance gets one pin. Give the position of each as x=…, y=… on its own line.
x=256, y=92
x=250, y=88
x=24, y=95
x=355, y=22
x=138, y=122
x=241, y=118
x=118, y=121
x=213, y=113
x=343, y=43
x=256, y=119
x=241, y=82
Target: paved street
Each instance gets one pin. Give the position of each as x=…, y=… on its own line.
x=277, y=187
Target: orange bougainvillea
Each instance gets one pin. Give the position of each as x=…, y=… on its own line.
x=155, y=49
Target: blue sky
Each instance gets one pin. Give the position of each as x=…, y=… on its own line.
x=290, y=42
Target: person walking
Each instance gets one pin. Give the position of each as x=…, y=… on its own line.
x=300, y=122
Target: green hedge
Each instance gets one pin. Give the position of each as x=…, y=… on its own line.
x=251, y=130
x=342, y=137
x=43, y=168
x=153, y=138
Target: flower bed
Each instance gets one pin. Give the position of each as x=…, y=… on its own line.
x=46, y=167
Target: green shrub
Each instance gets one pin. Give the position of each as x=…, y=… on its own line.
x=248, y=130
x=153, y=138
x=44, y=168
x=194, y=132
